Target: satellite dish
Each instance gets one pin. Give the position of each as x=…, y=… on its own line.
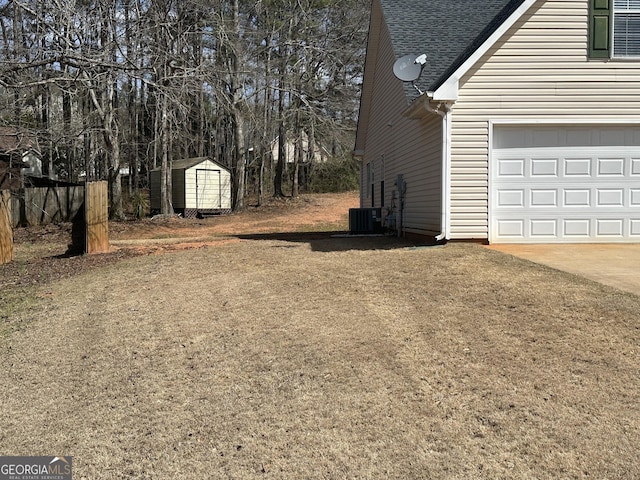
x=407, y=68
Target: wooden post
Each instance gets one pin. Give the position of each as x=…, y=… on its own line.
x=6, y=228
x=97, y=217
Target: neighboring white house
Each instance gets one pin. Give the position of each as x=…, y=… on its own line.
x=320, y=154
x=528, y=129
x=200, y=186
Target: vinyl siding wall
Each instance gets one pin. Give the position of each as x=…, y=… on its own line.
x=155, y=202
x=178, y=188
x=396, y=145
x=539, y=71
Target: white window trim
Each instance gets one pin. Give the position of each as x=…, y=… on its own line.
x=615, y=12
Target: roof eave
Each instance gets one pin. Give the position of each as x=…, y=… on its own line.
x=416, y=109
x=446, y=88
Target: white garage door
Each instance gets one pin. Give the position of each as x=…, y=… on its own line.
x=565, y=184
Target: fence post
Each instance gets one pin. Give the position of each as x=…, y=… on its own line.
x=6, y=228
x=97, y=217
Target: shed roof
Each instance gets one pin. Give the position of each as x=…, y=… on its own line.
x=190, y=162
x=448, y=31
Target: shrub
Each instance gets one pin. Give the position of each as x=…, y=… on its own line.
x=139, y=202
x=336, y=175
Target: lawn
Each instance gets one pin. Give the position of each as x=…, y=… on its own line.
x=289, y=356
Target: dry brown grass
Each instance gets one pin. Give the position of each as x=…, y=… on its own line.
x=291, y=357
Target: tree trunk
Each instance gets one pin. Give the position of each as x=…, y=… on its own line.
x=282, y=156
x=261, y=180
x=298, y=156
x=240, y=164
x=236, y=113
x=112, y=141
x=165, y=169
x=265, y=143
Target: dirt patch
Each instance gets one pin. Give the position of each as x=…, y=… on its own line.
x=305, y=213
x=41, y=251
x=286, y=356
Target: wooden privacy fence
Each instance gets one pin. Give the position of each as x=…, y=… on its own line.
x=97, y=217
x=86, y=206
x=90, y=229
x=40, y=206
x=6, y=228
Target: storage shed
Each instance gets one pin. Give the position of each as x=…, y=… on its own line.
x=200, y=186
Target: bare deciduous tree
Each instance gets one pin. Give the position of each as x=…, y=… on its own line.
x=137, y=83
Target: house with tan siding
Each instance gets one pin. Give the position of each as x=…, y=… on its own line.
x=523, y=126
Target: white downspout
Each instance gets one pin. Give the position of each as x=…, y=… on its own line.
x=444, y=110
x=445, y=235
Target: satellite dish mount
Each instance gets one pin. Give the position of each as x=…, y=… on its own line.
x=409, y=68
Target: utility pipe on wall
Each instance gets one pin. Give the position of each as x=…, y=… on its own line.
x=401, y=187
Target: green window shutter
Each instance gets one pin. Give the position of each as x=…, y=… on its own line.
x=600, y=15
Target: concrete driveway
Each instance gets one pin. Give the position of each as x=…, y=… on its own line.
x=617, y=265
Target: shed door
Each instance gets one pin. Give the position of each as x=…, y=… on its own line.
x=208, y=189
x=565, y=184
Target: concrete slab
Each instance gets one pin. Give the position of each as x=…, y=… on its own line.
x=616, y=265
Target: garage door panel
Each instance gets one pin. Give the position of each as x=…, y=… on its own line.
x=577, y=167
x=576, y=227
x=544, y=228
x=561, y=191
x=577, y=197
x=610, y=197
x=512, y=229
x=542, y=198
x=544, y=167
x=611, y=167
x=610, y=227
x=568, y=229
x=508, y=167
x=511, y=198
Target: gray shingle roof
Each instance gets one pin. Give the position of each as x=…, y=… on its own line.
x=448, y=31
